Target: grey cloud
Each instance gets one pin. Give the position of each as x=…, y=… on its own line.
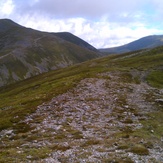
x=102, y=22
x=93, y=9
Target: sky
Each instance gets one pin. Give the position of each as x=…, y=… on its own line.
x=102, y=23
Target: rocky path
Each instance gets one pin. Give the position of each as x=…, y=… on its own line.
x=94, y=122
x=100, y=121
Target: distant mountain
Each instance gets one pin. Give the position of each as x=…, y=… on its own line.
x=25, y=52
x=143, y=43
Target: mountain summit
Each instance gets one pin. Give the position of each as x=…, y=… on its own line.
x=75, y=40
x=25, y=52
x=7, y=24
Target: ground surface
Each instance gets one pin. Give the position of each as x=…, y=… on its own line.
x=108, y=118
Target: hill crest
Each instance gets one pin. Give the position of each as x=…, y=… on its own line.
x=25, y=52
x=147, y=42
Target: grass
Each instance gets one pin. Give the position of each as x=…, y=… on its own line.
x=90, y=143
x=12, y=155
x=22, y=98
x=154, y=123
x=139, y=149
x=56, y=147
x=117, y=160
x=155, y=78
x=128, y=120
x=37, y=154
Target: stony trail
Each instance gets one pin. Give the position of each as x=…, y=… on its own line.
x=94, y=121
x=100, y=120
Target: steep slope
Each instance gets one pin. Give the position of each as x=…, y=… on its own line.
x=143, y=43
x=104, y=110
x=26, y=52
x=75, y=40
x=7, y=24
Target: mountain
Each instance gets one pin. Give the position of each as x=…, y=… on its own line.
x=75, y=40
x=25, y=52
x=7, y=24
x=143, y=43
x=109, y=109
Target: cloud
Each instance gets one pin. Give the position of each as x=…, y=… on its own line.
x=92, y=9
x=103, y=23
x=6, y=7
x=101, y=33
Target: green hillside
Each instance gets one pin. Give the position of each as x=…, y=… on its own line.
x=75, y=40
x=25, y=52
x=132, y=85
x=147, y=42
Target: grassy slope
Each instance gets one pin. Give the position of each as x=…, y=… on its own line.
x=75, y=40
x=142, y=43
x=26, y=52
x=21, y=99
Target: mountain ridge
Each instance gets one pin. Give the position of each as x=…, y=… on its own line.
x=25, y=52
x=6, y=24
x=74, y=39
x=147, y=42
